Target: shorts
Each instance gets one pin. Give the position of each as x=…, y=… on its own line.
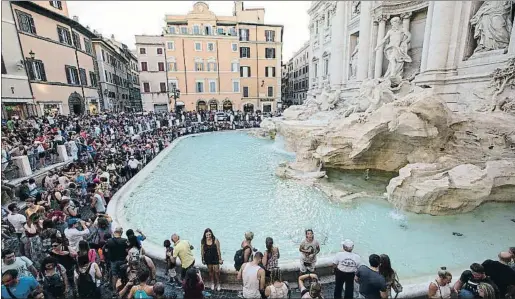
x=304, y=267
x=115, y=268
x=41, y=155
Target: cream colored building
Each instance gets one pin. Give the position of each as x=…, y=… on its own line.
x=58, y=55
x=16, y=93
x=217, y=62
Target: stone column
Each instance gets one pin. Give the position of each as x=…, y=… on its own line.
x=23, y=164
x=371, y=61
x=441, y=31
x=406, y=20
x=337, y=45
x=365, y=22
x=427, y=37
x=511, y=47
x=378, y=68
x=62, y=153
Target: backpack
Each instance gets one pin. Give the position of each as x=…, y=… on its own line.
x=239, y=257
x=55, y=283
x=86, y=285
x=140, y=294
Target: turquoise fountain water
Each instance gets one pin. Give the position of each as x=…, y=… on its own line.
x=226, y=181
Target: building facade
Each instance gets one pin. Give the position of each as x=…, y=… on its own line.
x=153, y=75
x=135, y=102
x=445, y=45
x=217, y=62
x=58, y=56
x=17, y=97
x=299, y=74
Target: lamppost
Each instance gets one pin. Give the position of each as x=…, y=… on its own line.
x=176, y=94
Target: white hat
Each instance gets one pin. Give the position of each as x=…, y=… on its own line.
x=348, y=243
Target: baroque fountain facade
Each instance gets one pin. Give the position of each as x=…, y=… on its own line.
x=422, y=88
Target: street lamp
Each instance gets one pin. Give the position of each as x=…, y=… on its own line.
x=32, y=54
x=176, y=94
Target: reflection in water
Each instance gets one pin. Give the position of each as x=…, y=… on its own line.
x=225, y=181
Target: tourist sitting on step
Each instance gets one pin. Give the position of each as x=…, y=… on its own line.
x=441, y=288
x=315, y=288
x=474, y=283
x=500, y=272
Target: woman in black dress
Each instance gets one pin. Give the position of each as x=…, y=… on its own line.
x=210, y=249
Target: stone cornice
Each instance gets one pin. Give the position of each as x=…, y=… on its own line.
x=397, y=8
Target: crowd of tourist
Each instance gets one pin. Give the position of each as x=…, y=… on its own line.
x=67, y=245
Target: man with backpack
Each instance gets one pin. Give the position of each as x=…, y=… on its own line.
x=115, y=252
x=86, y=277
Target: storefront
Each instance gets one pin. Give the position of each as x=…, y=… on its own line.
x=51, y=109
x=20, y=110
x=266, y=105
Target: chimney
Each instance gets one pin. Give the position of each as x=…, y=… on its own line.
x=112, y=36
x=75, y=18
x=87, y=27
x=95, y=31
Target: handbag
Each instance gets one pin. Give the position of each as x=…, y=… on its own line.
x=396, y=285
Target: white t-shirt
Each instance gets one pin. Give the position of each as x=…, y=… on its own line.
x=347, y=261
x=133, y=163
x=21, y=264
x=74, y=236
x=17, y=220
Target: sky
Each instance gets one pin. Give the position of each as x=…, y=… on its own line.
x=125, y=19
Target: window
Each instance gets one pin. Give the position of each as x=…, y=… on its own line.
x=103, y=56
x=171, y=29
x=244, y=35
x=144, y=67
x=72, y=76
x=162, y=86
x=326, y=67
x=270, y=35
x=198, y=46
x=146, y=87
x=211, y=67
x=196, y=30
x=199, y=66
x=236, y=86
x=208, y=30
x=106, y=76
x=234, y=47
x=315, y=66
x=210, y=47
x=245, y=91
x=244, y=52
x=4, y=70
x=212, y=86
x=184, y=30
x=199, y=86
x=35, y=69
x=142, y=51
x=269, y=52
x=220, y=31
x=232, y=31
x=172, y=66
x=87, y=46
x=76, y=40
x=245, y=71
x=328, y=19
x=235, y=66
x=161, y=66
x=56, y=4
x=270, y=91
x=171, y=45
x=83, y=77
x=159, y=51
x=270, y=71
x=64, y=35
x=93, y=79
x=316, y=27
x=26, y=22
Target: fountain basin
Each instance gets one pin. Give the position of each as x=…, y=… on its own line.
x=225, y=181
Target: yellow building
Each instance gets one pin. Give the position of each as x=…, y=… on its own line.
x=59, y=57
x=220, y=62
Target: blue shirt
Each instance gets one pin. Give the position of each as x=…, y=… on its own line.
x=140, y=238
x=22, y=289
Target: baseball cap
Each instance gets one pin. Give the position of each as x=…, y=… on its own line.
x=72, y=221
x=348, y=243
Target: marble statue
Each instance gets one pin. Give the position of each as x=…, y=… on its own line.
x=492, y=26
x=354, y=61
x=396, y=51
x=356, y=8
